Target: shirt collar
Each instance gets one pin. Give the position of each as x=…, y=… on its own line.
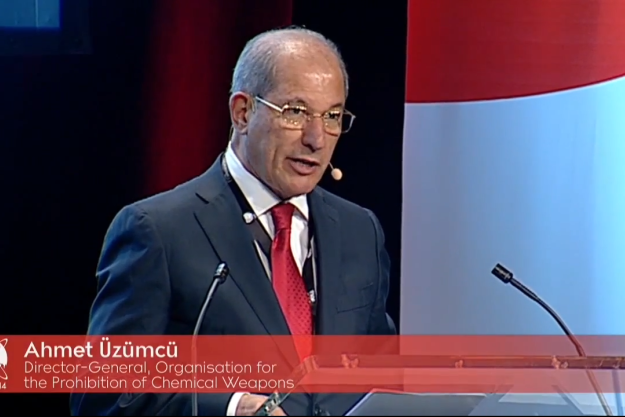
x=261, y=198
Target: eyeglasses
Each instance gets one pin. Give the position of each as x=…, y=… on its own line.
x=295, y=116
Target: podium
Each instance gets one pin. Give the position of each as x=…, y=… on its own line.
x=467, y=386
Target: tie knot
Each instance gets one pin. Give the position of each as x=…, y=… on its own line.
x=282, y=215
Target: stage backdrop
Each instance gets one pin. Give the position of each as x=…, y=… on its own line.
x=514, y=152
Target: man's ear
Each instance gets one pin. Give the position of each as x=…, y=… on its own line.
x=240, y=111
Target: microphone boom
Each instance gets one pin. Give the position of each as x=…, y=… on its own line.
x=507, y=277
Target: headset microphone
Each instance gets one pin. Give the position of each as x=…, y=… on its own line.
x=336, y=173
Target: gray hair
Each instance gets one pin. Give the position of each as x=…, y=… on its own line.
x=255, y=70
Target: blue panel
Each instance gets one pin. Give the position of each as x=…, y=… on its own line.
x=30, y=14
x=536, y=183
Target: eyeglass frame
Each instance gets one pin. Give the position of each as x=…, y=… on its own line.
x=309, y=115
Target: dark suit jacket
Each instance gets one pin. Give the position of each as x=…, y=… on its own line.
x=155, y=268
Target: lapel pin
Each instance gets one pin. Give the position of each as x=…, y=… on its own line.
x=248, y=217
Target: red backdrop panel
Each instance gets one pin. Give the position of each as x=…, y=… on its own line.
x=487, y=49
x=195, y=46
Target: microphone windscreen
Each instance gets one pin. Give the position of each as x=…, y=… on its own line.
x=502, y=273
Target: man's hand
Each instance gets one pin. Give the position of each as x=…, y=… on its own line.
x=249, y=405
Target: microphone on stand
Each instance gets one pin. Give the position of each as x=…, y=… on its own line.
x=507, y=277
x=219, y=277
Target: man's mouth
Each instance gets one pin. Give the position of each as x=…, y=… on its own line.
x=303, y=166
x=306, y=161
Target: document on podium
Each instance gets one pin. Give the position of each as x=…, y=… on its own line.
x=386, y=403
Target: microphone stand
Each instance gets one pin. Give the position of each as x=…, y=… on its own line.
x=219, y=277
x=507, y=277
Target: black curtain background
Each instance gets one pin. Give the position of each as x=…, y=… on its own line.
x=72, y=153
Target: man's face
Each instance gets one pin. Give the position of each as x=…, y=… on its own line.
x=292, y=161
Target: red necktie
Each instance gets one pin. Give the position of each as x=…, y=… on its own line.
x=287, y=280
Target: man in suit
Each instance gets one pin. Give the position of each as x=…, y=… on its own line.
x=287, y=110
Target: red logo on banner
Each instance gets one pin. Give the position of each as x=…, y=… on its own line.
x=4, y=359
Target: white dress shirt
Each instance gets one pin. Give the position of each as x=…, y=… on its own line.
x=262, y=200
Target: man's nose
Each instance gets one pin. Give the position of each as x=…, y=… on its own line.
x=315, y=134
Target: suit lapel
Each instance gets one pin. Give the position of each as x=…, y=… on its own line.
x=328, y=250
x=222, y=221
